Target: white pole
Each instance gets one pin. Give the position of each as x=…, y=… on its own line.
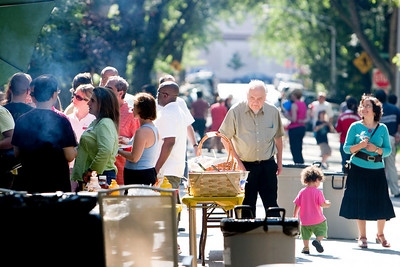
x=333, y=58
x=397, y=86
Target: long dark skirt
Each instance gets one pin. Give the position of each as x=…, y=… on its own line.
x=366, y=195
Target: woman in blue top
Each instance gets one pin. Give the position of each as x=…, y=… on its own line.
x=139, y=167
x=366, y=196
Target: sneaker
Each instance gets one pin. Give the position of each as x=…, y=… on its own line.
x=318, y=246
x=305, y=250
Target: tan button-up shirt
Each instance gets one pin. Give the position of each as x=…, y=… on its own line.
x=253, y=135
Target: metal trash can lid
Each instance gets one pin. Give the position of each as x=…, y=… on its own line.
x=297, y=166
x=301, y=166
x=330, y=173
x=231, y=226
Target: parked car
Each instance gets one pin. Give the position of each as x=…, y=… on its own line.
x=205, y=78
x=253, y=76
x=204, y=81
x=284, y=77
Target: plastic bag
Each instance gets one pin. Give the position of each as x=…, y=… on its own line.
x=202, y=163
x=347, y=167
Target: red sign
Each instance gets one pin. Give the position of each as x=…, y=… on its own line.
x=379, y=79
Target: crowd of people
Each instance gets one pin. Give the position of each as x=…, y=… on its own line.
x=58, y=150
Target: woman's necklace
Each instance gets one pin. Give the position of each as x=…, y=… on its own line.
x=370, y=126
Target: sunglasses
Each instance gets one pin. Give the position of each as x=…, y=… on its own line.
x=79, y=98
x=164, y=93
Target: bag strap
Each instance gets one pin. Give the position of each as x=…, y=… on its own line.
x=376, y=128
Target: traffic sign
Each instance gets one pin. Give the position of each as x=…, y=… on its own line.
x=379, y=80
x=363, y=63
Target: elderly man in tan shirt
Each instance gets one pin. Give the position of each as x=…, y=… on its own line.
x=255, y=130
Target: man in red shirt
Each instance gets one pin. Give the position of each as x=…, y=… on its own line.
x=343, y=123
x=127, y=123
x=199, y=110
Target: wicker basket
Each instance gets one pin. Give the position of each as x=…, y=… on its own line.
x=230, y=164
x=216, y=184
x=220, y=180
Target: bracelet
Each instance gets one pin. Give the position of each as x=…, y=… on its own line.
x=376, y=150
x=195, y=145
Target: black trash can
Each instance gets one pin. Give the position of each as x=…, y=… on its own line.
x=252, y=242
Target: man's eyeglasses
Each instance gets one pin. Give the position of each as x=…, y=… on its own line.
x=79, y=98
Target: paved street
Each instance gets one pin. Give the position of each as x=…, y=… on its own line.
x=338, y=251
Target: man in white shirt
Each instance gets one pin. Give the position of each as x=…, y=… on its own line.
x=172, y=128
x=319, y=105
x=188, y=120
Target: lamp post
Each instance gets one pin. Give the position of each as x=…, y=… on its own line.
x=397, y=88
x=333, y=57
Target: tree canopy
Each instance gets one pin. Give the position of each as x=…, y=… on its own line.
x=133, y=36
x=143, y=36
x=304, y=29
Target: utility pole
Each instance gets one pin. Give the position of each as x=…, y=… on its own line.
x=333, y=58
x=397, y=85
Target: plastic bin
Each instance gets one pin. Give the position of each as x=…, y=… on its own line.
x=289, y=185
x=338, y=227
x=140, y=228
x=252, y=242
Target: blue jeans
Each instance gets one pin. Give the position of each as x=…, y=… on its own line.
x=111, y=174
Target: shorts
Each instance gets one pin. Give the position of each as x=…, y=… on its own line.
x=175, y=181
x=325, y=149
x=320, y=229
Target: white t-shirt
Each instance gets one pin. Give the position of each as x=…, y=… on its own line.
x=79, y=126
x=188, y=116
x=316, y=107
x=172, y=122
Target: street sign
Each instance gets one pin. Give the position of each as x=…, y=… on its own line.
x=379, y=80
x=363, y=63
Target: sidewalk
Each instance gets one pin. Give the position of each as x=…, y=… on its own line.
x=344, y=252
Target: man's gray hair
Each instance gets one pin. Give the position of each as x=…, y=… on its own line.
x=257, y=84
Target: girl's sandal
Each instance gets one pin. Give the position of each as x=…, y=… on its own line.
x=380, y=239
x=362, y=242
